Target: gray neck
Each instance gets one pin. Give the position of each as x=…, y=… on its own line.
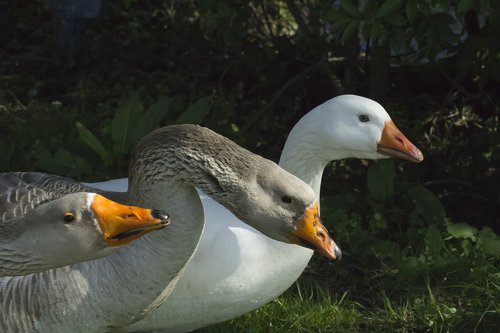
x=196, y=156
x=13, y=261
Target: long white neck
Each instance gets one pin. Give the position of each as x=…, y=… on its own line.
x=303, y=163
x=303, y=154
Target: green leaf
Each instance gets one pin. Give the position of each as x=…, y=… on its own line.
x=388, y=8
x=340, y=25
x=196, y=111
x=396, y=20
x=434, y=241
x=6, y=153
x=488, y=242
x=484, y=6
x=465, y=5
x=150, y=119
x=337, y=19
x=411, y=10
x=378, y=222
x=376, y=30
x=365, y=31
x=62, y=163
x=333, y=16
x=123, y=121
x=490, y=246
x=462, y=230
x=93, y=142
x=339, y=202
x=350, y=30
x=411, y=268
x=444, y=4
x=384, y=248
x=427, y=205
x=380, y=180
x=350, y=8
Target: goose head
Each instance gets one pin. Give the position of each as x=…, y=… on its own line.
x=283, y=207
x=350, y=126
x=256, y=190
x=78, y=227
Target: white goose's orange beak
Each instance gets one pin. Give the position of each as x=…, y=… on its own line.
x=393, y=143
x=122, y=224
x=312, y=233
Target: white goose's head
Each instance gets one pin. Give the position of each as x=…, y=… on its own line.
x=350, y=126
x=74, y=228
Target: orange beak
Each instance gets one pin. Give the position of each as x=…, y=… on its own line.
x=122, y=224
x=312, y=233
x=393, y=143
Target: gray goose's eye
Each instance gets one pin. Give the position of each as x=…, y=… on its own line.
x=68, y=217
x=286, y=199
x=364, y=118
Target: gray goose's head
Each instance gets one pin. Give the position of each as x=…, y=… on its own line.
x=255, y=189
x=73, y=228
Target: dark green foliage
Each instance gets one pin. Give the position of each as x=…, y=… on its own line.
x=421, y=253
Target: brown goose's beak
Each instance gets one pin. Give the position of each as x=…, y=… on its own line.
x=393, y=143
x=122, y=224
x=312, y=234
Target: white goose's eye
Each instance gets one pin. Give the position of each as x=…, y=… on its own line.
x=364, y=118
x=286, y=199
x=68, y=218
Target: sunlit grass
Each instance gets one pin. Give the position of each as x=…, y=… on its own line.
x=422, y=306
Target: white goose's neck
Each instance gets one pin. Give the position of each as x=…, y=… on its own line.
x=300, y=161
x=304, y=155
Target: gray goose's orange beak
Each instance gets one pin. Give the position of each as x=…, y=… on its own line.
x=393, y=143
x=311, y=233
x=122, y=224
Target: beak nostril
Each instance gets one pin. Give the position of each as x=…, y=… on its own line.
x=160, y=215
x=338, y=252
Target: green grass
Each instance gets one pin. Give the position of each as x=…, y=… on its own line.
x=422, y=307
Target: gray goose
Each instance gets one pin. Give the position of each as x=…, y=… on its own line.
x=116, y=290
x=39, y=231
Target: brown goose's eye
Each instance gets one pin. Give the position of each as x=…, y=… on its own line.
x=68, y=217
x=286, y=199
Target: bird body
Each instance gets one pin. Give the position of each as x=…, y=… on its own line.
x=114, y=291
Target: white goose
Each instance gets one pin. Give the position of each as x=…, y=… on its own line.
x=236, y=269
x=116, y=290
x=38, y=232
